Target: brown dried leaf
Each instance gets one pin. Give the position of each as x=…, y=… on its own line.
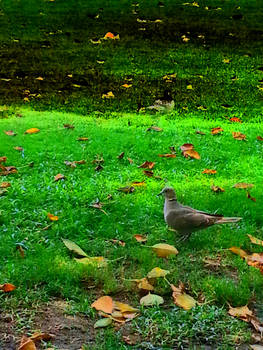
x=243, y=185
x=250, y=197
x=18, y=148
x=120, y=156
x=148, y=173
x=127, y=189
x=242, y=312
x=99, y=168
x=59, y=177
x=5, y=184
x=209, y=171
x=140, y=238
x=217, y=189
x=216, y=130
x=239, y=136
x=130, y=160
x=27, y=344
x=187, y=147
x=117, y=241
x=260, y=138
x=155, y=128
x=3, y=159
x=199, y=132
x=167, y=155
x=82, y=139
x=235, y=120
x=192, y=154
x=104, y=304
x=10, y=132
x=68, y=126
x=147, y=165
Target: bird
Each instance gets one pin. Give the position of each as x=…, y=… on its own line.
x=186, y=220
x=164, y=104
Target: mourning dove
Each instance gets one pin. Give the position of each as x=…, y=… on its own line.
x=186, y=220
x=164, y=104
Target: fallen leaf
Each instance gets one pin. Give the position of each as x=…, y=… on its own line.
x=10, y=133
x=147, y=165
x=238, y=136
x=235, y=120
x=97, y=261
x=199, y=132
x=27, y=344
x=109, y=94
x=52, y=217
x=68, y=126
x=186, y=147
x=216, y=130
x=74, y=247
x=40, y=78
x=163, y=250
x=99, y=168
x=130, y=160
x=250, y=197
x=217, y=189
x=104, y=304
x=59, y=177
x=82, y=139
x=110, y=35
x=260, y=138
x=18, y=148
x=5, y=184
x=103, y=322
x=3, y=159
x=209, y=171
x=157, y=272
x=118, y=241
x=71, y=164
x=140, y=238
x=243, y=185
x=255, y=240
x=155, y=128
x=226, y=60
x=41, y=336
x=167, y=155
x=127, y=86
x=144, y=284
x=21, y=251
x=182, y=299
x=124, y=307
x=127, y=189
x=242, y=312
x=121, y=155
x=192, y=154
x=138, y=183
x=238, y=251
x=148, y=173
x=189, y=87
x=151, y=299
x=7, y=287
x=32, y=131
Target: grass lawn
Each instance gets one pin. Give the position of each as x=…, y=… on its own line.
x=48, y=270
x=55, y=68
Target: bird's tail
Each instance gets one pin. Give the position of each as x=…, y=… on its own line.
x=224, y=220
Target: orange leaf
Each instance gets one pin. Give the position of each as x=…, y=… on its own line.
x=255, y=240
x=239, y=136
x=130, y=160
x=52, y=217
x=167, y=155
x=59, y=177
x=147, y=165
x=155, y=128
x=82, y=139
x=250, y=197
x=235, y=120
x=3, y=159
x=140, y=238
x=239, y=252
x=260, y=138
x=216, y=130
x=104, y=304
x=138, y=183
x=217, y=189
x=127, y=86
x=5, y=185
x=7, y=287
x=209, y=171
x=192, y=154
x=18, y=148
x=27, y=344
x=32, y=131
x=187, y=147
x=243, y=185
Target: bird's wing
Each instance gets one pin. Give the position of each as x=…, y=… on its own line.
x=188, y=221
x=192, y=210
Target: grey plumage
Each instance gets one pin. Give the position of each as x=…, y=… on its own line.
x=164, y=104
x=186, y=220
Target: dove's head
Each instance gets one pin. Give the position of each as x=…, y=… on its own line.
x=168, y=192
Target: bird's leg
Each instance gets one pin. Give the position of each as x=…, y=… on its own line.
x=184, y=237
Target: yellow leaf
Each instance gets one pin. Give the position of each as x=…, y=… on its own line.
x=52, y=217
x=157, y=272
x=238, y=251
x=124, y=307
x=243, y=185
x=127, y=86
x=39, y=78
x=163, y=250
x=108, y=95
x=191, y=153
x=32, y=131
x=189, y=87
x=255, y=240
x=241, y=312
x=98, y=261
x=185, y=301
x=144, y=284
x=74, y=247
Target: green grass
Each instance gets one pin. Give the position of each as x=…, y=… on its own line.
x=49, y=270
x=53, y=40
